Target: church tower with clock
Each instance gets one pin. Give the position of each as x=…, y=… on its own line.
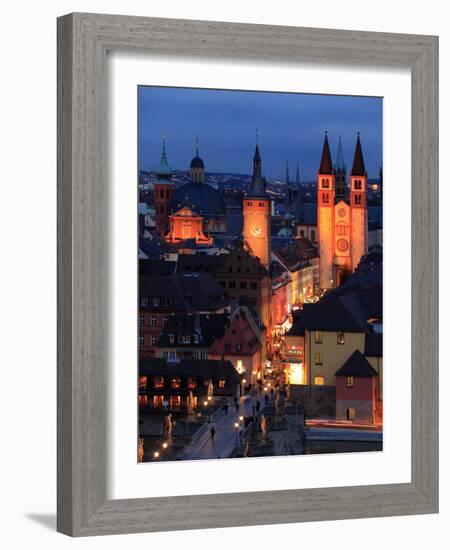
x=341, y=219
x=256, y=213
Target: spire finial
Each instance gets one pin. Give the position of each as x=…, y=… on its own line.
x=256, y=136
x=196, y=145
x=164, y=142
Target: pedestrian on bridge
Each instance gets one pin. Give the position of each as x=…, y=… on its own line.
x=213, y=433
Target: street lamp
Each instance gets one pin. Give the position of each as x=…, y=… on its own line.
x=156, y=454
x=236, y=425
x=165, y=445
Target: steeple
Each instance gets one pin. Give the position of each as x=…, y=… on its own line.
x=298, y=202
x=358, y=168
x=286, y=178
x=257, y=187
x=162, y=191
x=163, y=170
x=197, y=166
x=297, y=176
x=340, y=165
x=326, y=166
x=341, y=173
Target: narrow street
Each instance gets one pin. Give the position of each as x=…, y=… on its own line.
x=225, y=436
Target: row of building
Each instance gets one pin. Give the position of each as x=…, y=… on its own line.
x=311, y=301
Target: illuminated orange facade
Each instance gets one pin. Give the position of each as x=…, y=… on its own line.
x=256, y=213
x=185, y=225
x=341, y=221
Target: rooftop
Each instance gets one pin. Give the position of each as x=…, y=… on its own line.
x=356, y=365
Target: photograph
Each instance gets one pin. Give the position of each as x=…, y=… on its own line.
x=260, y=316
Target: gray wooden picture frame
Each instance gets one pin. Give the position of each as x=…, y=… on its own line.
x=83, y=42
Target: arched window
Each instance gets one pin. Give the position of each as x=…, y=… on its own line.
x=342, y=229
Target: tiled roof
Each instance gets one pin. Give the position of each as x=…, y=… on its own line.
x=156, y=267
x=373, y=345
x=340, y=310
x=356, y=365
x=208, y=328
x=208, y=368
x=181, y=292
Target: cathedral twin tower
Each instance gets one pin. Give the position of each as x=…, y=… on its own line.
x=341, y=219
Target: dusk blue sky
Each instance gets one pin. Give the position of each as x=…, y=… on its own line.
x=290, y=126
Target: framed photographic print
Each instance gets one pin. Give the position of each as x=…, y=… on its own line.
x=247, y=274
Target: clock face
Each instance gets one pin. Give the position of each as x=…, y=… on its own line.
x=342, y=245
x=255, y=230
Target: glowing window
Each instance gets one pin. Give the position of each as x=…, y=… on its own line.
x=143, y=399
x=318, y=337
x=340, y=338
x=221, y=384
x=191, y=383
x=175, y=401
x=175, y=383
x=142, y=382
x=318, y=358
x=349, y=381
x=319, y=380
x=158, y=401
x=158, y=382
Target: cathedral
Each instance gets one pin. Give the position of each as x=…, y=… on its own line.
x=341, y=215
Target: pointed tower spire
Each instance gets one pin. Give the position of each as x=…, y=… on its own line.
x=340, y=165
x=257, y=187
x=196, y=145
x=286, y=178
x=163, y=170
x=297, y=175
x=326, y=166
x=358, y=168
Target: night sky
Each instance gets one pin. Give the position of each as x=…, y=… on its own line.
x=290, y=126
